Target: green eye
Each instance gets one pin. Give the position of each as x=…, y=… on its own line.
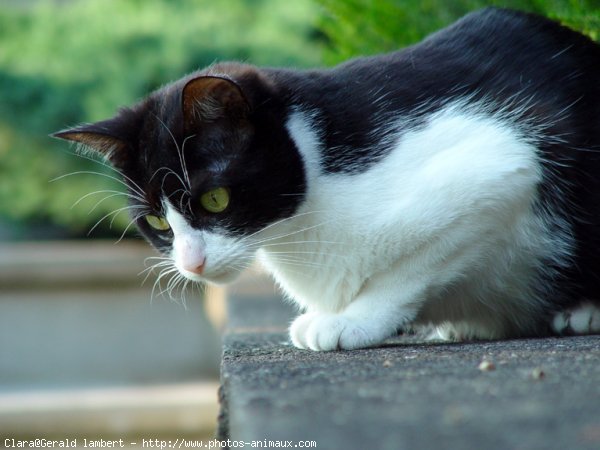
x=215, y=200
x=158, y=223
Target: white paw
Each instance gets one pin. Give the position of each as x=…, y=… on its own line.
x=585, y=319
x=445, y=332
x=324, y=332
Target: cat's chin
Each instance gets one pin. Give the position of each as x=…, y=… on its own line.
x=217, y=277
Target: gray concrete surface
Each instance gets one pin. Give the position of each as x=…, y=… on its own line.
x=406, y=394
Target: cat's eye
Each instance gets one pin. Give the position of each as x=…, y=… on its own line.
x=158, y=223
x=215, y=200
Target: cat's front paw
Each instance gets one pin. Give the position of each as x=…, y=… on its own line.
x=324, y=332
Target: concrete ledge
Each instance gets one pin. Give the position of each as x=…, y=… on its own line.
x=529, y=394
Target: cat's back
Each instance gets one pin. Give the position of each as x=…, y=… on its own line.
x=530, y=68
x=513, y=39
x=492, y=45
x=494, y=53
x=506, y=25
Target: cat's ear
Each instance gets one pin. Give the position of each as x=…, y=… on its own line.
x=103, y=138
x=209, y=98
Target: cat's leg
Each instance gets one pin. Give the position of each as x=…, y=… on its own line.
x=585, y=319
x=383, y=306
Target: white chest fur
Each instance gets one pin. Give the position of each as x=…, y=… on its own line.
x=447, y=215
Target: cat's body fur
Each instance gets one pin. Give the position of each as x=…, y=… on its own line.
x=453, y=183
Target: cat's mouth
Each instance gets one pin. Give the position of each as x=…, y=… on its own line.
x=210, y=275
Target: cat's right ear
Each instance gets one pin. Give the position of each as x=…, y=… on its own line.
x=101, y=138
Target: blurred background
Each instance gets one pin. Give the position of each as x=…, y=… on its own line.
x=85, y=347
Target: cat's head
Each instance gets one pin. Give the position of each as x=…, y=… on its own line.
x=209, y=165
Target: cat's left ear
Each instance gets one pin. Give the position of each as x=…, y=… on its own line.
x=102, y=138
x=209, y=98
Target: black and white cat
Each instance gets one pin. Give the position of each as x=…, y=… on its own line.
x=455, y=183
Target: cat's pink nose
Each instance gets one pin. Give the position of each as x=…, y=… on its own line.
x=196, y=268
x=189, y=254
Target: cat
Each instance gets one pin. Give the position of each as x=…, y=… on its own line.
x=454, y=183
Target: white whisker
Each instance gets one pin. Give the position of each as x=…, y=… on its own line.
x=301, y=252
x=102, y=201
x=261, y=242
x=133, y=185
x=276, y=244
x=129, y=225
x=300, y=263
x=183, y=163
x=151, y=270
x=102, y=191
x=279, y=222
x=100, y=174
x=186, y=184
x=176, y=175
x=114, y=214
x=157, y=283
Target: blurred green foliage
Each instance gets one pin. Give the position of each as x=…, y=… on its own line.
x=364, y=27
x=65, y=62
